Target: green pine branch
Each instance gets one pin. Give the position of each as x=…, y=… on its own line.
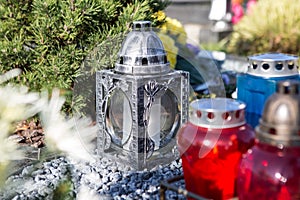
x=49, y=39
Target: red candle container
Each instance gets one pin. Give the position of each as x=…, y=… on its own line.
x=211, y=145
x=271, y=169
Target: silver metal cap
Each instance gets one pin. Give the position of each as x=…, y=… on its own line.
x=273, y=65
x=217, y=113
x=280, y=123
x=142, y=52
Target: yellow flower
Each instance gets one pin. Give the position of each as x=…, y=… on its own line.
x=174, y=25
x=159, y=15
x=170, y=48
x=175, y=28
x=182, y=38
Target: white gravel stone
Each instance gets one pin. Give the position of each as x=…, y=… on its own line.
x=106, y=178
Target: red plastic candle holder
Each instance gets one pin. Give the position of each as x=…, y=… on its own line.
x=211, y=145
x=271, y=169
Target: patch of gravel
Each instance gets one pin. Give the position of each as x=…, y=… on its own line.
x=109, y=180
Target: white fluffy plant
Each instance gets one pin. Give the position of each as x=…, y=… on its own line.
x=15, y=104
x=70, y=136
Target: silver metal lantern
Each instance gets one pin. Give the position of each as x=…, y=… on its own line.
x=141, y=103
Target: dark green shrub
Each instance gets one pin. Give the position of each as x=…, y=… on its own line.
x=49, y=39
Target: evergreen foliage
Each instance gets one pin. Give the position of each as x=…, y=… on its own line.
x=49, y=39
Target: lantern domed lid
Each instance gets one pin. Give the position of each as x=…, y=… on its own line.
x=273, y=65
x=280, y=122
x=142, y=52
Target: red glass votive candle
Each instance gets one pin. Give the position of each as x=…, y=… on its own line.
x=269, y=172
x=271, y=169
x=211, y=145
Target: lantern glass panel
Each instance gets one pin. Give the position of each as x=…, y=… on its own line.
x=118, y=117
